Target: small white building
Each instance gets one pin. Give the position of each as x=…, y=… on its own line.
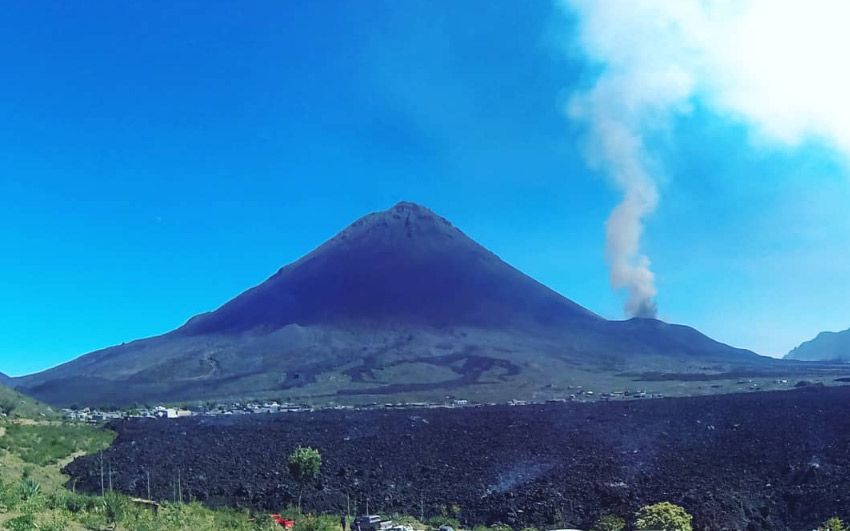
x=171, y=413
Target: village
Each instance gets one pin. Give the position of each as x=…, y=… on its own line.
x=251, y=407
x=576, y=393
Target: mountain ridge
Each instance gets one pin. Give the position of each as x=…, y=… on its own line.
x=826, y=346
x=399, y=304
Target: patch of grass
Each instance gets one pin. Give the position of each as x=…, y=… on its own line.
x=310, y=522
x=496, y=527
x=65, y=510
x=403, y=519
x=32, y=496
x=15, y=405
x=25, y=522
x=438, y=521
x=46, y=444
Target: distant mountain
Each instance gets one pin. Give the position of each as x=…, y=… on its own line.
x=827, y=346
x=400, y=305
x=5, y=380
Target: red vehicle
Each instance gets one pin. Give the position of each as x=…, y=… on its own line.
x=283, y=522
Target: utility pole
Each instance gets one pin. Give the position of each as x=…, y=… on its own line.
x=102, y=484
x=110, y=476
x=148, y=474
x=180, y=485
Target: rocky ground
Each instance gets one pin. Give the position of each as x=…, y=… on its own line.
x=757, y=461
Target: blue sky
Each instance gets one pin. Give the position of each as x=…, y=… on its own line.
x=159, y=158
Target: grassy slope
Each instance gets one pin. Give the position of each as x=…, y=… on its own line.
x=23, y=406
x=33, y=493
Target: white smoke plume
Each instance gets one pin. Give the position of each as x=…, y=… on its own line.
x=778, y=66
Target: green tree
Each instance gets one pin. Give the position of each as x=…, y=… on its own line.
x=833, y=524
x=609, y=522
x=304, y=467
x=663, y=516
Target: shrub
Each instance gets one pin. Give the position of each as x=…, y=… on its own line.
x=8, y=496
x=438, y=521
x=22, y=523
x=78, y=503
x=609, y=522
x=243, y=521
x=27, y=496
x=317, y=523
x=184, y=516
x=92, y=520
x=663, y=516
x=304, y=466
x=494, y=527
x=54, y=522
x=833, y=524
x=28, y=489
x=114, y=507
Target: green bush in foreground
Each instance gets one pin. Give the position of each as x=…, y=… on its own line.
x=24, y=522
x=609, y=522
x=438, y=521
x=494, y=527
x=304, y=466
x=663, y=516
x=833, y=524
x=307, y=522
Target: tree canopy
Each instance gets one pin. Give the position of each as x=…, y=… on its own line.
x=305, y=464
x=664, y=516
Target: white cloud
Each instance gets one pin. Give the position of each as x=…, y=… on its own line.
x=779, y=66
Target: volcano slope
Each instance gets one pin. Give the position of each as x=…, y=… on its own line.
x=401, y=305
x=757, y=461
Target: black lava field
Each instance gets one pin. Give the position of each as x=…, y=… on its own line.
x=778, y=460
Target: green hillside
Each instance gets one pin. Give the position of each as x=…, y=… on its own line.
x=14, y=404
x=34, y=494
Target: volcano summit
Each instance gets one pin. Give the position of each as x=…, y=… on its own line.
x=401, y=305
